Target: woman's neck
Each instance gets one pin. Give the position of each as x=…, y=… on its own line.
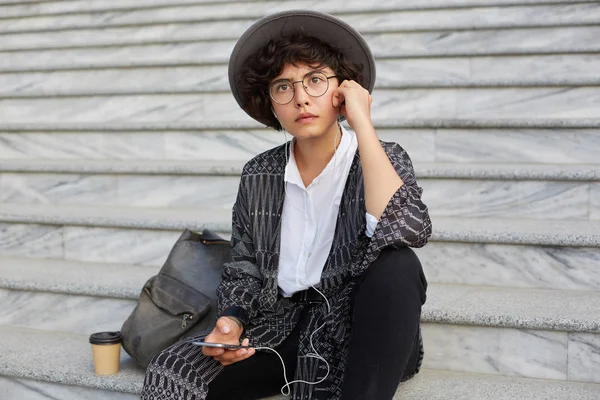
x=312, y=155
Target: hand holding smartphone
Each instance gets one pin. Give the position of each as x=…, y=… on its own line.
x=221, y=345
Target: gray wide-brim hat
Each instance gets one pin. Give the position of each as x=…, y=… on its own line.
x=320, y=25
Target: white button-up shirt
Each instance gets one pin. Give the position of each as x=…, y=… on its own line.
x=310, y=215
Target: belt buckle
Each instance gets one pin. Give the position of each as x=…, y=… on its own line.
x=304, y=296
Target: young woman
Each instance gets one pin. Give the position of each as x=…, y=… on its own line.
x=322, y=284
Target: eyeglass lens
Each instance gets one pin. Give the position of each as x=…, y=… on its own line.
x=315, y=84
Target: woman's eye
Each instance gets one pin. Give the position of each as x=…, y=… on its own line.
x=315, y=79
x=283, y=87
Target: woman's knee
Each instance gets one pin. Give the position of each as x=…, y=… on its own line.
x=395, y=271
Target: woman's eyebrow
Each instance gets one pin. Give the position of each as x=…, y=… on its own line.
x=322, y=69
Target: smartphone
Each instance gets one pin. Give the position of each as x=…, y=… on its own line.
x=222, y=345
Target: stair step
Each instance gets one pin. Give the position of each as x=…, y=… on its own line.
x=59, y=358
x=106, y=250
x=497, y=264
x=123, y=281
x=444, y=262
x=534, y=40
x=46, y=7
x=233, y=168
x=557, y=340
x=14, y=388
x=30, y=8
x=389, y=122
x=543, y=267
x=472, y=230
x=63, y=358
x=52, y=150
x=571, y=40
x=552, y=104
x=552, y=310
x=355, y=12
x=449, y=190
x=549, y=70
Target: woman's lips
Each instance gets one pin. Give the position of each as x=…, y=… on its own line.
x=305, y=120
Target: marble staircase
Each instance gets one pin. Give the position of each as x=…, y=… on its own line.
x=117, y=130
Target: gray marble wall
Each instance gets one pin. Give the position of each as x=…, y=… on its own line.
x=458, y=71
x=132, y=246
x=461, y=263
x=551, y=146
x=390, y=20
x=511, y=265
x=595, y=201
x=505, y=103
x=63, y=312
x=584, y=357
x=99, y=5
x=387, y=45
x=513, y=352
x=444, y=197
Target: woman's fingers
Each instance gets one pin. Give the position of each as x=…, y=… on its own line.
x=228, y=357
x=223, y=326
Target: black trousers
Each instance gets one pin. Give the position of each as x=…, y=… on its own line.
x=384, y=343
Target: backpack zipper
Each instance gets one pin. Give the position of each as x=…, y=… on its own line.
x=184, y=320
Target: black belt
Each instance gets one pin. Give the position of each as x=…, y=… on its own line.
x=308, y=296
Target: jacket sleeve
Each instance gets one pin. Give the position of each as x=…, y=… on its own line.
x=237, y=294
x=405, y=220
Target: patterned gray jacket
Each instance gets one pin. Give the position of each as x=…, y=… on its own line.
x=249, y=288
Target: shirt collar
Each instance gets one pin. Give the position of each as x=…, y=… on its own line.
x=346, y=147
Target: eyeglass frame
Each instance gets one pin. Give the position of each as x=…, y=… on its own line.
x=292, y=83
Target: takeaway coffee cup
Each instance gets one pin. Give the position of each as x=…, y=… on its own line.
x=106, y=350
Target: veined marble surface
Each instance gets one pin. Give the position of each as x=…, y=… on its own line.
x=584, y=357
x=526, y=199
x=119, y=190
x=512, y=352
x=40, y=241
x=385, y=45
x=131, y=246
x=25, y=389
x=444, y=197
x=566, y=268
x=87, y=145
x=390, y=73
x=545, y=103
x=63, y=312
x=463, y=263
x=449, y=18
x=595, y=201
x=99, y=5
x=552, y=146
x=221, y=144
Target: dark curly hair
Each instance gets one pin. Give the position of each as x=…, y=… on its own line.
x=267, y=63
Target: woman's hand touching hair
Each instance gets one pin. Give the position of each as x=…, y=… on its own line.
x=354, y=102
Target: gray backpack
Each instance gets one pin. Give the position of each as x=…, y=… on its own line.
x=180, y=301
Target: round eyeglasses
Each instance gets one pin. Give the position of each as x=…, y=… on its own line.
x=315, y=84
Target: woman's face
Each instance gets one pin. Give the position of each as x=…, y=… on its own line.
x=294, y=116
